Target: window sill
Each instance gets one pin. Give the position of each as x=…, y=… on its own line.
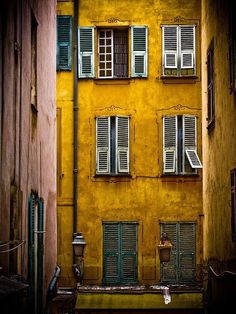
x=188, y=79
x=112, y=81
x=112, y=178
x=180, y=177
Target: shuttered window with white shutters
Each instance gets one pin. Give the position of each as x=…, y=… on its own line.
x=112, y=145
x=139, y=51
x=180, y=145
x=178, y=44
x=86, y=51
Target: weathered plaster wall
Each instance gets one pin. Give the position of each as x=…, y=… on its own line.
x=219, y=151
x=146, y=196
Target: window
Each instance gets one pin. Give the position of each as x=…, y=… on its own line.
x=120, y=253
x=182, y=265
x=180, y=145
x=113, y=54
x=178, y=44
x=210, y=87
x=232, y=50
x=233, y=202
x=64, y=40
x=112, y=145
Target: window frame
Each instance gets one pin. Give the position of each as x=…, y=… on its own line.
x=233, y=202
x=178, y=53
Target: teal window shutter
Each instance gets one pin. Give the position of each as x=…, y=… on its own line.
x=86, y=52
x=64, y=42
x=40, y=253
x=31, y=261
x=139, y=64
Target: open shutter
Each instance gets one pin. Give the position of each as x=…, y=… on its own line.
x=170, y=46
x=169, y=270
x=128, y=252
x=187, y=252
x=111, y=253
x=122, y=144
x=187, y=47
x=103, y=145
x=190, y=130
x=64, y=39
x=139, y=36
x=86, y=51
x=169, y=143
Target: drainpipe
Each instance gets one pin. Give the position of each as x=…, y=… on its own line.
x=75, y=121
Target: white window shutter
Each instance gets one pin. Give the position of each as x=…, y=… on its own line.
x=170, y=143
x=170, y=47
x=139, y=35
x=187, y=47
x=122, y=144
x=103, y=145
x=86, y=52
x=190, y=141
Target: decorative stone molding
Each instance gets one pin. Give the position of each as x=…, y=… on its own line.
x=178, y=19
x=113, y=20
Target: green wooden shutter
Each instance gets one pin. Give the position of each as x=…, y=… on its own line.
x=122, y=144
x=31, y=243
x=40, y=254
x=128, y=252
x=86, y=51
x=187, y=46
x=190, y=141
x=170, y=47
x=64, y=42
x=169, y=270
x=111, y=258
x=187, y=252
x=103, y=145
x=170, y=143
x=139, y=35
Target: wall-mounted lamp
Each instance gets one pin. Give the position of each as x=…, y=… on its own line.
x=78, y=250
x=164, y=248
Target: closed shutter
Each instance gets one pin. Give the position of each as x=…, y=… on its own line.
x=31, y=268
x=122, y=144
x=64, y=42
x=129, y=253
x=169, y=270
x=187, y=47
x=170, y=47
x=139, y=51
x=187, y=252
x=86, y=51
x=169, y=143
x=40, y=253
x=190, y=138
x=111, y=253
x=103, y=145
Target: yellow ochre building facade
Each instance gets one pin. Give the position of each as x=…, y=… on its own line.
x=138, y=168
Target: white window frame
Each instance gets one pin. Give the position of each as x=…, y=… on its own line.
x=111, y=53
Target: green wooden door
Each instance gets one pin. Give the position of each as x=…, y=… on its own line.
x=119, y=253
x=182, y=265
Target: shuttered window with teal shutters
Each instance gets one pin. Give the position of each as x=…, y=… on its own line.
x=119, y=253
x=40, y=253
x=178, y=46
x=112, y=145
x=64, y=42
x=31, y=262
x=139, y=35
x=86, y=52
x=182, y=265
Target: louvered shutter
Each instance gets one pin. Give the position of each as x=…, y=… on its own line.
x=86, y=51
x=103, y=145
x=31, y=241
x=111, y=253
x=139, y=62
x=190, y=136
x=122, y=144
x=64, y=42
x=169, y=270
x=170, y=47
x=128, y=252
x=169, y=143
x=187, y=47
x=187, y=252
x=40, y=253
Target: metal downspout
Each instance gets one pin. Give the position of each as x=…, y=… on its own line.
x=75, y=121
